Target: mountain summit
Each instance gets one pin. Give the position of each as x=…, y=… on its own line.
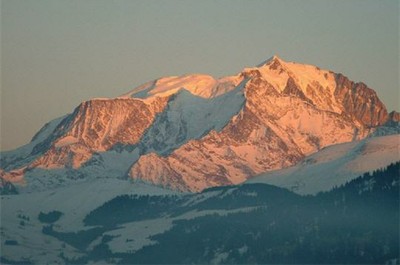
x=192, y=132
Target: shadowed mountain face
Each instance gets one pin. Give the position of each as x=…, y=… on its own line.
x=193, y=132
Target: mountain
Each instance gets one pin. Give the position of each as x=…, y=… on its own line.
x=192, y=132
x=117, y=222
x=334, y=165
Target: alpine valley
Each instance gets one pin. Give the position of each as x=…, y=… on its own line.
x=280, y=163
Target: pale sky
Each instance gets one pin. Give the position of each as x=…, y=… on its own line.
x=56, y=54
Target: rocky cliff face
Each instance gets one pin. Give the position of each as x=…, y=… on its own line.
x=360, y=102
x=96, y=126
x=194, y=132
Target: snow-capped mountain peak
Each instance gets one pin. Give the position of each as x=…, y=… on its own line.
x=270, y=60
x=203, y=132
x=200, y=85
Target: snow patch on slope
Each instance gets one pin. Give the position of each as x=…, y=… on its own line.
x=133, y=236
x=109, y=164
x=188, y=116
x=335, y=165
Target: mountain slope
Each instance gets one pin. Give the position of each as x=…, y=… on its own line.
x=356, y=223
x=25, y=154
x=335, y=165
x=20, y=214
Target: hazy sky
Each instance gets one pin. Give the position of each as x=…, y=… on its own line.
x=55, y=54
